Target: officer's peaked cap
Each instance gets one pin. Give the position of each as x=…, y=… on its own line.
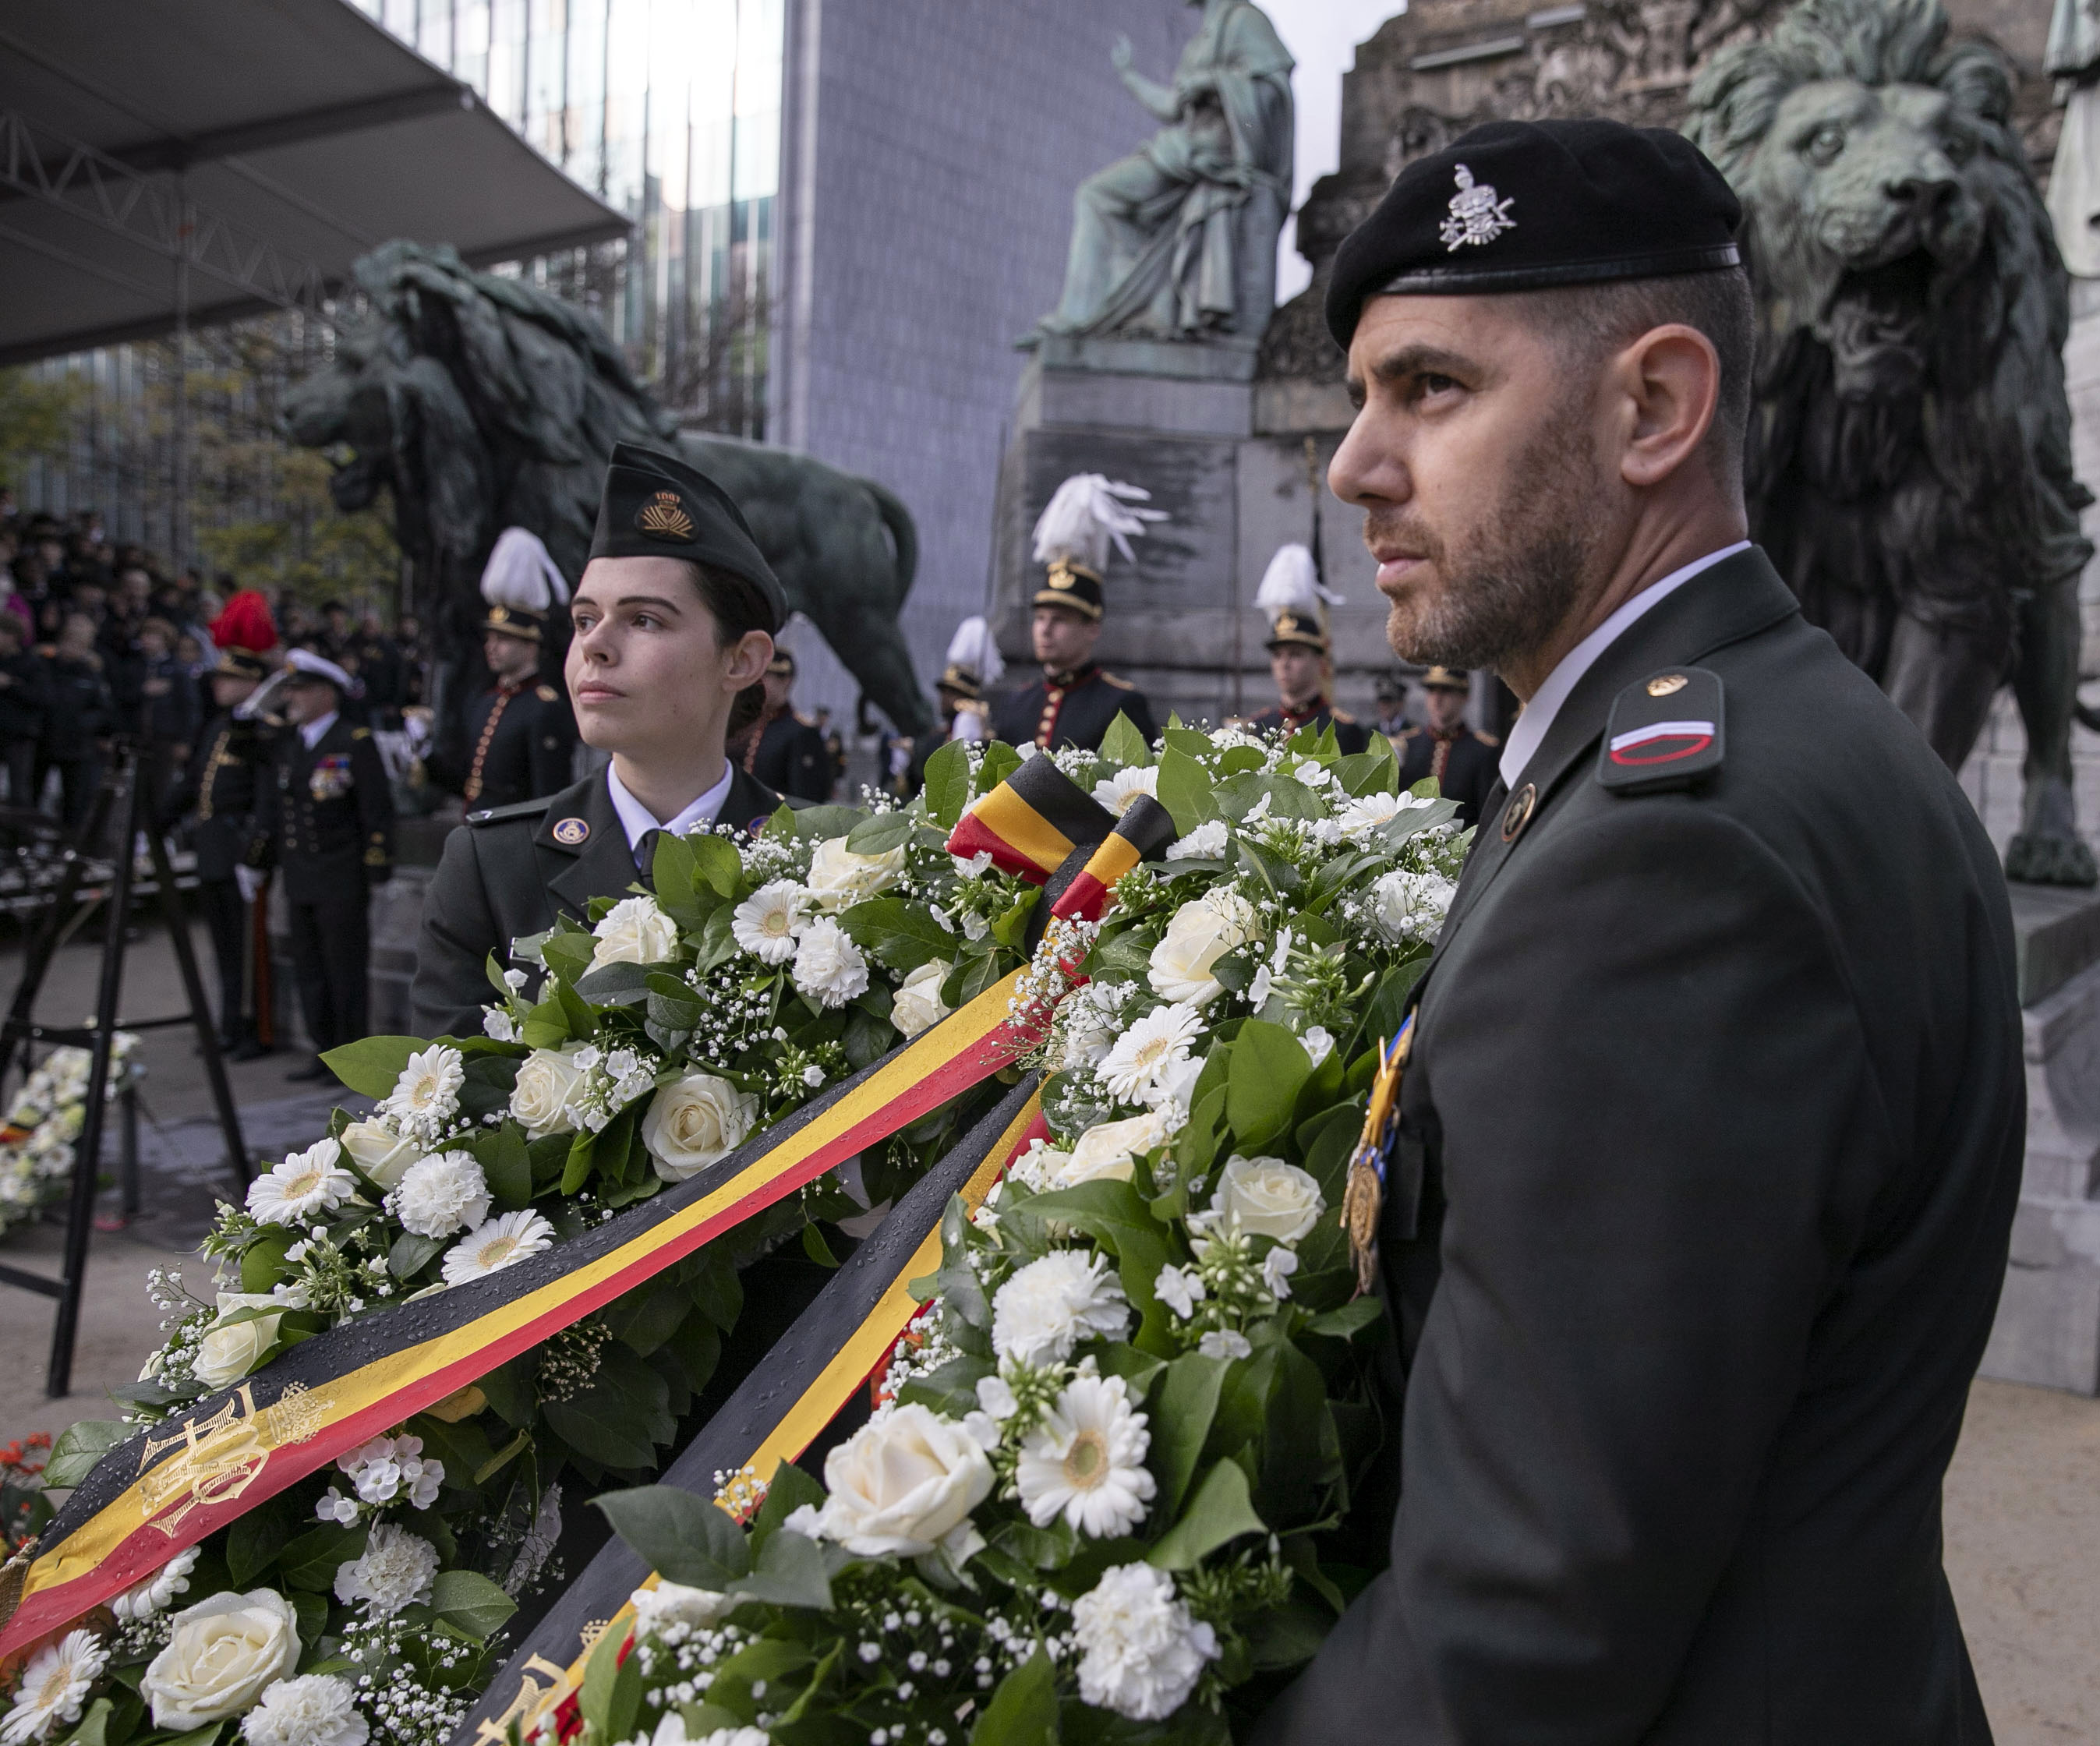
x=1529, y=205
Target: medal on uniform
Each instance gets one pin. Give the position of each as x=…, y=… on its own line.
x=1364, y=1198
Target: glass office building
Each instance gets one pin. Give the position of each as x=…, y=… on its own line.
x=670, y=110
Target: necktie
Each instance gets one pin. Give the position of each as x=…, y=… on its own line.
x=645, y=858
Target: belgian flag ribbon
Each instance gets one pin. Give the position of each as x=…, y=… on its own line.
x=1039, y=825
x=778, y=1411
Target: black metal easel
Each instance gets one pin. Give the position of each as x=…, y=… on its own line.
x=123, y=778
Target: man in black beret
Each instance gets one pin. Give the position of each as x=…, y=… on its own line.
x=1693, y=1224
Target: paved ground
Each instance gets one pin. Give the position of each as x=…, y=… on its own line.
x=2022, y=1498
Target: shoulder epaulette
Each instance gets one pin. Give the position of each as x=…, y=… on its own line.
x=546, y=693
x=361, y=733
x=519, y=809
x=1666, y=731
x=1342, y=715
x=806, y=721
x=1488, y=740
x=1121, y=685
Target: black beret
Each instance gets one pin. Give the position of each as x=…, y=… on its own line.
x=657, y=506
x=1527, y=205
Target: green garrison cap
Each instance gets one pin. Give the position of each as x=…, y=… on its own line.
x=657, y=506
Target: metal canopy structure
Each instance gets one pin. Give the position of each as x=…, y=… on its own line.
x=165, y=164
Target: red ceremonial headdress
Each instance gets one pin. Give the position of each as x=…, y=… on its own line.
x=245, y=624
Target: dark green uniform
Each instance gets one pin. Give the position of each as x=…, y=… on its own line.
x=326, y=821
x=1350, y=734
x=788, y=755
x=1074, y=709
x=221, y=789
x=510, y=871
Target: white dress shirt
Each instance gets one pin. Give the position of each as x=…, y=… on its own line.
x=638, y=821
x=311, y=731
x=1530, y=730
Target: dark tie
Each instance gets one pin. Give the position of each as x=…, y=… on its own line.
x=645, y=858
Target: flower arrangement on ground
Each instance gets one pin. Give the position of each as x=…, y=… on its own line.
x=45, y=1119
x=1096, y=1493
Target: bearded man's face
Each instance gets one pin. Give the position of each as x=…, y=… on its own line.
x=1474, y=454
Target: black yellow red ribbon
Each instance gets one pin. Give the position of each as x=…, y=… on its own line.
x=781, y=1409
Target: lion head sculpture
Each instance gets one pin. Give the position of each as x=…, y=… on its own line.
x=1909, y=465
x=479, y=401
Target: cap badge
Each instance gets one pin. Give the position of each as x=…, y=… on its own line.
x=1667, y=686
x=569, y=832
x=1060, y=576
x=664, y=517
x=1475, y=216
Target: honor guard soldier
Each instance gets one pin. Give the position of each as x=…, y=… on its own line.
x=672, y=630
x=1300, y=655
x=1461, y=761
x=221, y=793
x=1075, y=700
x=786, y=751
x=520, y=733
x=974, y=665
x=1693, y=1210
x=326, y=820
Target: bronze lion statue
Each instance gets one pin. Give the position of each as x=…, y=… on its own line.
x=1909, y=458
x=482, y=403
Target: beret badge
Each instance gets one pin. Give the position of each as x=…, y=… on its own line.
x=664, y=517
x=1475, y=215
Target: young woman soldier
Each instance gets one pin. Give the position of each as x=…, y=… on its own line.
x=674, y=622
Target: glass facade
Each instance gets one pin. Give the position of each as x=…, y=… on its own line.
x=670, y=110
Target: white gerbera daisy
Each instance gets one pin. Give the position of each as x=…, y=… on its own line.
x=426, y=1095
x=1041, y=1313
x=829, y=970
x=307, y=1183
x=1140, y=1651
x=438, y=1195
x=1138, y=1065
x=490, y=1247
x=397, y=1570
x=1116, y=792
x=768, y=922
x=315, y=1709
x=143, y=1599
x=54, y=1687
x=1085, y=1461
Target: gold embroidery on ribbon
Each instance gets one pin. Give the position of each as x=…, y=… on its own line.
x=523, y=1709
x=222, y=1456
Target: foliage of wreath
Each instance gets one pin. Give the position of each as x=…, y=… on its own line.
x=45, y=1120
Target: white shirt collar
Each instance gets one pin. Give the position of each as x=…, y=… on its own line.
x=1529, y=732
x=311, y=731
x=637, y=820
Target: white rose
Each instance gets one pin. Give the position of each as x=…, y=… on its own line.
x=226, y=1354
x=1412, y=906
x=224, y=1651
x=903, y=1483
x=539, y=1099
x=1268, y=1197
x=839, y=878
x=1111, y=1150
x=695, y=1121
x=918, y=1005
x=635, y=931
x=1201, y=934
x=379, y=1152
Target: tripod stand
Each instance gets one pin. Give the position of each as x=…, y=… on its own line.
x=124, y=790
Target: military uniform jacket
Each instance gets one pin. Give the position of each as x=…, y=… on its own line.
x=326, y=816
x=1350, y=734
x=1710, y=1149
x=221, y=786
x=520, y=744
x=1076, y=711
x=1471, y=769
x=510, y=872
x=790, y=757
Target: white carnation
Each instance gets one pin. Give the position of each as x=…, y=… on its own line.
x=1206, y=842
x=315, y=1709
x=141, y=1600
x=440, y=1195
x=829, y=970
x=1049, y=1306
x=1141, y=1652
x=670, y=1603
x=397, y=1569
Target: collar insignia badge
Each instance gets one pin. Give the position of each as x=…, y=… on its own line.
x=664, y=517
x=1475, y=216
x=569, y=832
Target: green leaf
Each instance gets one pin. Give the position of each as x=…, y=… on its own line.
x=412, y=1254
x=902, y=935
x=94, y=1729
x=1023, y=1711
x=818, y=824
x=263, y=1264
x=576, y=1172
x=716, y=861
x=1220, y=1511
x=1188, y=1402
x=1288, y=797
x=611, y=1696
x=79, y=1447
x=789, y=1572
x=1374, y=770
x=203, y=1736
x=1123, y=744
x=1351, y=1317
x=1000, y=760
x=311, y=1561
x=1185, y=789
x=790, y=1488
x=469, y=1601
x=508, y=1166
x=1270, y=1065
x=682, y=1537
x=619, y=984
x=880, y=834
x=622, y=1417
x=947, y=790
x=373, y=1065
x=503, y=1456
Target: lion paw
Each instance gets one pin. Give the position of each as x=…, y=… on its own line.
x=2050, y=861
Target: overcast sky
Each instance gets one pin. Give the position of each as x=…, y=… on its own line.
x=1322, y=36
